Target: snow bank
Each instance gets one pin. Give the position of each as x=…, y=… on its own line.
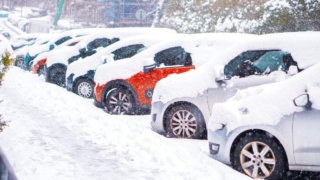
x=267, y=104
x=55, y=134
x=303, y=46
x=202, y=48
x=79, y=68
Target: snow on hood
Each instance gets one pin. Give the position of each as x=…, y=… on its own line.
x=121, y=33
x=79, y=68
x=201, y=47
x=303, y=46
x=267, y=104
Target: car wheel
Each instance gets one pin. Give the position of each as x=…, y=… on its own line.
x=260, y=157
x=57, y=76
x=119, y=100
x=41, y=70
x=30, y=65
x=185, y=121
x=84, y=88
x=20, y=63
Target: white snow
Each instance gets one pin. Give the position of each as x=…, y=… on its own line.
x=79, y=68
x=64, y=54
x=303, y=46
x=267, y=104
x=201, y=46
x=54, y=134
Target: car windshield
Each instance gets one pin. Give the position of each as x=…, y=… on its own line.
x=127, y=51
x=173, y=56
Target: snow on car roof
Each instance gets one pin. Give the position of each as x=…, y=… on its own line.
x=28, y=36
x=303, y=46
x=92, y=62
x=267, y=104
x=120, y=33
x=200, y=46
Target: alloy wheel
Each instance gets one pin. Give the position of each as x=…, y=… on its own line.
x=257, y=160
x=120, y=103
x=85, y=89
x=183, y=124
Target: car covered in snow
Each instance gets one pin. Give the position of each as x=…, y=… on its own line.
x=57, y=63
x=126, y=86
x=40, y=61
x=80, y=74
x=184, y=109
x=55, y=41
x=25, y=40
x=265, y=131
x=6, y=171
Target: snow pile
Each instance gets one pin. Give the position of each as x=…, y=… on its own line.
x=202, y=48
x=79, y=68
x=303, y=46
x=55, y=134
x=63, y=55
x=267, y=104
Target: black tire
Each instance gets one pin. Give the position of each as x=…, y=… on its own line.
x=116, y=106
x=20, y=63
x=41, y=70
x=84, y=88
x=191, y=124
x=276, y=166
x=57, y=75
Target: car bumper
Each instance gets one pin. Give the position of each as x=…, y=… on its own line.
x=217, y=145
x=97, y=103
x=157, y=117
x=69, y=82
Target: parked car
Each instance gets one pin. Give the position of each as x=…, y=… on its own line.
x=55, y=41
x=4, y=14
x=25, y=40
x=80, y=73
x=183, y=110
x=38, y=66
x=126, y=86
x=267, y=130
x=58, y=62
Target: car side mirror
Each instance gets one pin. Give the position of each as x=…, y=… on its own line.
x=293, y=70
x=51, y=47
x=149, y=68
x=302, y=101
x=218, y=73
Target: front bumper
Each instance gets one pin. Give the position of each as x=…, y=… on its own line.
x=69, y=82
x=157, y=117
x=97, y=103
x=217, y=145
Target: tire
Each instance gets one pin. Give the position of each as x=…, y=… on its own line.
x=124, y=106
x=30, y=65
x=57, y=75
x=84, y=88
x=254, y=164
x=41, y=70
x=20, y=63
x=185, y=121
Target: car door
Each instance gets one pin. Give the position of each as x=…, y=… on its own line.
x=306, y=137
x=251, y=68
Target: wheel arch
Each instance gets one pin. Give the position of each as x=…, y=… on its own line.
x=236, y=139
x=122, y=83
x=174, y=104
x=49, y=69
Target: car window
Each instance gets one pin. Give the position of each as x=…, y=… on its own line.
x=62, y=40
x=100, y=42
x=72, y=44
x=258, y=62
x=127, y=51
x=173, y=56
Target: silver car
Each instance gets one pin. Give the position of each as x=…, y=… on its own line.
x=262, y=60
x=265, y=151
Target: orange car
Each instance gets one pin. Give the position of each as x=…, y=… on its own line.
x=126, y=86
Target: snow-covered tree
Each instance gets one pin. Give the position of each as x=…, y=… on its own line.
x=5, y=63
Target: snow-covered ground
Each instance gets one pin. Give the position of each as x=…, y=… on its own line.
x=55, y=134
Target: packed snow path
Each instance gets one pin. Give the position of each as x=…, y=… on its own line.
x=55, y=134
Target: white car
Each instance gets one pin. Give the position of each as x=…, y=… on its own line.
x=265, y=131
x=261, y=60
x=57, y=62
x=25, y=40
x=79, y=77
